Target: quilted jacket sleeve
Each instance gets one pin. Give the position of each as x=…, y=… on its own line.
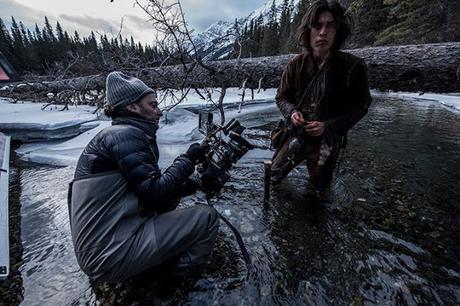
x=139, y=164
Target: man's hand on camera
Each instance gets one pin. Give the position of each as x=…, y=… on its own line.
x=196, y=152
x=297, y=118
x=188, y=187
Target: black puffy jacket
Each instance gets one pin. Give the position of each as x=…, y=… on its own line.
x=129, y=145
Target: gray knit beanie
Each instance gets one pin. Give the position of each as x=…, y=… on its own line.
x=124, y=90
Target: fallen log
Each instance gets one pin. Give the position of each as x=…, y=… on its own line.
x=429, y=67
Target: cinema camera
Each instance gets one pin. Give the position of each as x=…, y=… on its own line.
x=226, y=147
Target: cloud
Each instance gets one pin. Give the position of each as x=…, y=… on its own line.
x=95, y=24
x=137, y=21
x=103, y=17
x=27, y=15
x=130, y=25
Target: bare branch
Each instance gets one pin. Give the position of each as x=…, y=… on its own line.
x=184, y=95
x=199, y=93
x=260, y=84
x=221, y=104
x=243, y=87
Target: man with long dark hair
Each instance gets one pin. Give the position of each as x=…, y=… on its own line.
x=323, y=93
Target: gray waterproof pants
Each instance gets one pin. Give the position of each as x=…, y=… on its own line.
x=113, y=240
x=188, y=233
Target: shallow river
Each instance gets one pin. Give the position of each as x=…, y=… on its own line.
x=390, y=234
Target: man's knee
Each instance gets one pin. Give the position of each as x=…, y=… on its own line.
x=211, y=214
x=207, y=217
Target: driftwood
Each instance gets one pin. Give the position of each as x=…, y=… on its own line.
x=430, y=67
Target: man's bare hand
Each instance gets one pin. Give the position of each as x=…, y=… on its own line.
x=297, y=119
x=315, y=128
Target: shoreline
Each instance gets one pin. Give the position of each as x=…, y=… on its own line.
x=11, y=289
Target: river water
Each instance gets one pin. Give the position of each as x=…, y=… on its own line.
x=389, y=234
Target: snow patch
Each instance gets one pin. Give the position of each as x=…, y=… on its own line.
x=27, y=121
x=60, y=153
x=177, y=129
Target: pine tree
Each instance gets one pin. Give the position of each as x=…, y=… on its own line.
x=418, y=20
x=19, y=56
x=48, y=31
x=92, y=42
x=292, y=44
x=29, y=57
x=61, y=45
x=132, y=47
x=451, y=28
x=39, y=48
x=6, y=43
x=270, y=42
x=285, y=25
x=371, y=17
x=258, y=36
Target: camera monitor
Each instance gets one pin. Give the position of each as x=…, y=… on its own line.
x=205, y=124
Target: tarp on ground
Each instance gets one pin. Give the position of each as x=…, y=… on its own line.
x=7, y=73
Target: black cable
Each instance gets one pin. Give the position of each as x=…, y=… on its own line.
x=239, y=239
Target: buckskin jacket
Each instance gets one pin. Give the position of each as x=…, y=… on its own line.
x=116, y=182
x=346, y=93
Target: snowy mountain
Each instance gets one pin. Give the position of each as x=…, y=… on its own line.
x=264, y=9
x=216, y=42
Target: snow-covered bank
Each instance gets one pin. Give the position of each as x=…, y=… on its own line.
x=173, y=136
x=60, y=153
x=26, y=121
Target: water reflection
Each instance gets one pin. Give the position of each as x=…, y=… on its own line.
x=388, y=235
x=50, y=272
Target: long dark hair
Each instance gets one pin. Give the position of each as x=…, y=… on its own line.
x=120, y=111
x=343, y=23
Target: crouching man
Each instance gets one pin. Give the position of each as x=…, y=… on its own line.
x=122, y=208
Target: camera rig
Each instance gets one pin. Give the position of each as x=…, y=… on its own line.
x=226, y=147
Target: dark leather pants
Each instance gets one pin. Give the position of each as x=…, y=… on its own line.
x=283, y=161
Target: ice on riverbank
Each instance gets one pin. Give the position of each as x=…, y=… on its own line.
x=450, y=101
x=60, y=153
x=27, y=121
x=177, y=129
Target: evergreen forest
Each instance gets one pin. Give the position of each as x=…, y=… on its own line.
x=52, y=51
x=375, y=23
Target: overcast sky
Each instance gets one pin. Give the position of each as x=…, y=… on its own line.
x=102, y=16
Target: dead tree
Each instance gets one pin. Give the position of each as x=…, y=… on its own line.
x=175, y=40
x=431, y=67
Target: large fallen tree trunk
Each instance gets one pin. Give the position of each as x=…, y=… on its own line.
x=430, y=67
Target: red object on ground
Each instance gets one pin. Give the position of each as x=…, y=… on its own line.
x=3, y=75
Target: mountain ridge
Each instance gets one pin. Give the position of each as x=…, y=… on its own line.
x=216, y=42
